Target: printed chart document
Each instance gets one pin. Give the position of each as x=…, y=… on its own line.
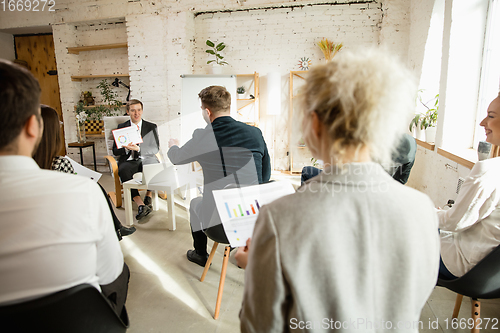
x=80, y=170
x=126, y=135
x=239, y=207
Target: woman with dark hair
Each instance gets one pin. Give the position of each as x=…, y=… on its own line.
x=46, y=157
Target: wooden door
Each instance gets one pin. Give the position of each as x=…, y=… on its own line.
x=38, y=52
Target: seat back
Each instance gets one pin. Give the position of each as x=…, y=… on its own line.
x=80, y=309
x=215, y=230
x=482, y=281
x=111, y=123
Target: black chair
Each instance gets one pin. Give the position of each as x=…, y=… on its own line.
x=482, y=281
x=80, y=309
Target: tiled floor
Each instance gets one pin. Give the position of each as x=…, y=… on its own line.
x=166, y=295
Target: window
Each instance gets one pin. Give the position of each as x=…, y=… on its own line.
x=490, y=71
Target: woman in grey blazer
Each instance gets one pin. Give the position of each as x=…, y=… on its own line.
x=353, y=249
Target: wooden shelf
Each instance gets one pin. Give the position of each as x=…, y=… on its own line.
x=78, y=49
x=80, y=77
x=245, y=102
x=455, y=158
x=426, y=145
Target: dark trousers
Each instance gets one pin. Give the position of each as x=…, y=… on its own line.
x=444, y=273
x=116, y=221
x=126, y=170
x=116, y=291
x=199, y=237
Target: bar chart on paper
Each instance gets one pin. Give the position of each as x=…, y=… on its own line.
x=250, y=209
x=239, y=207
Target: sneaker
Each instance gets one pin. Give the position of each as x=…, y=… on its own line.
x=142, y=211
x=148, y=201
x=196, y=258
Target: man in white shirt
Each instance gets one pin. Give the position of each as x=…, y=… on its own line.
x=56, y=230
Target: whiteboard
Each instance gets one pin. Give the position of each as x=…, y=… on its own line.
x=191, y=117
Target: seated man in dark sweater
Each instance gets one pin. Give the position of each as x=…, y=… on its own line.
x=229, y=152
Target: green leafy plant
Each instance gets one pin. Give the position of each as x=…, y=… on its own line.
x=416, y=122
x=109, y=97
x=215, y=51
x=111, y=104
x=314, y=162
x=240, y=90
x=429, y=118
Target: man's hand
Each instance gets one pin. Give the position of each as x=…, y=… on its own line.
x=132, y=146
x=173, y=142
x=241, y=255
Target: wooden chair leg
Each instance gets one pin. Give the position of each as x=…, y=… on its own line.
x=162, y=194
x=458, y=303
x=209, y=261
x=227, y=251
x=476, y=314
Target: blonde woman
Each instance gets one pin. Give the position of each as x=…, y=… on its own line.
x=353, y=249
x=471, y=228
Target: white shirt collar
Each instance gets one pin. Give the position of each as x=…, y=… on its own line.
x=17, y=162
x=139, y=125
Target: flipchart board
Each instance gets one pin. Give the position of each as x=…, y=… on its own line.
x=191, y=117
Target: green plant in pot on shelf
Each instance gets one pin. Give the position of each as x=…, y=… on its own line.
x=240, y=91
x=429, y=119
x=109, y=97
x=426, y=121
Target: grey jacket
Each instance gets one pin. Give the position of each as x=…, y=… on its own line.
x=352, y=249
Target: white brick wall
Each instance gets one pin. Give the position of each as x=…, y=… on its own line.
x=147, y=63
x=275, y=40
x=166, y=40
x=395, y=27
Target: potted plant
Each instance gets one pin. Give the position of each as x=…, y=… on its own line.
x=241, y=92
x=429, y=119
x=416, y=127
x=215, y=51
x=110, y=107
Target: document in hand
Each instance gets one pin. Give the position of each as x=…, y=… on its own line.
x=126, y=135
x=239, y=207
x=80, y=170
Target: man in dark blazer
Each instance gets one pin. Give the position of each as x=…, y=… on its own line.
x=133, y=156
x=229, y=152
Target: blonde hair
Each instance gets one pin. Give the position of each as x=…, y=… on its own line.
x=363, y=99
